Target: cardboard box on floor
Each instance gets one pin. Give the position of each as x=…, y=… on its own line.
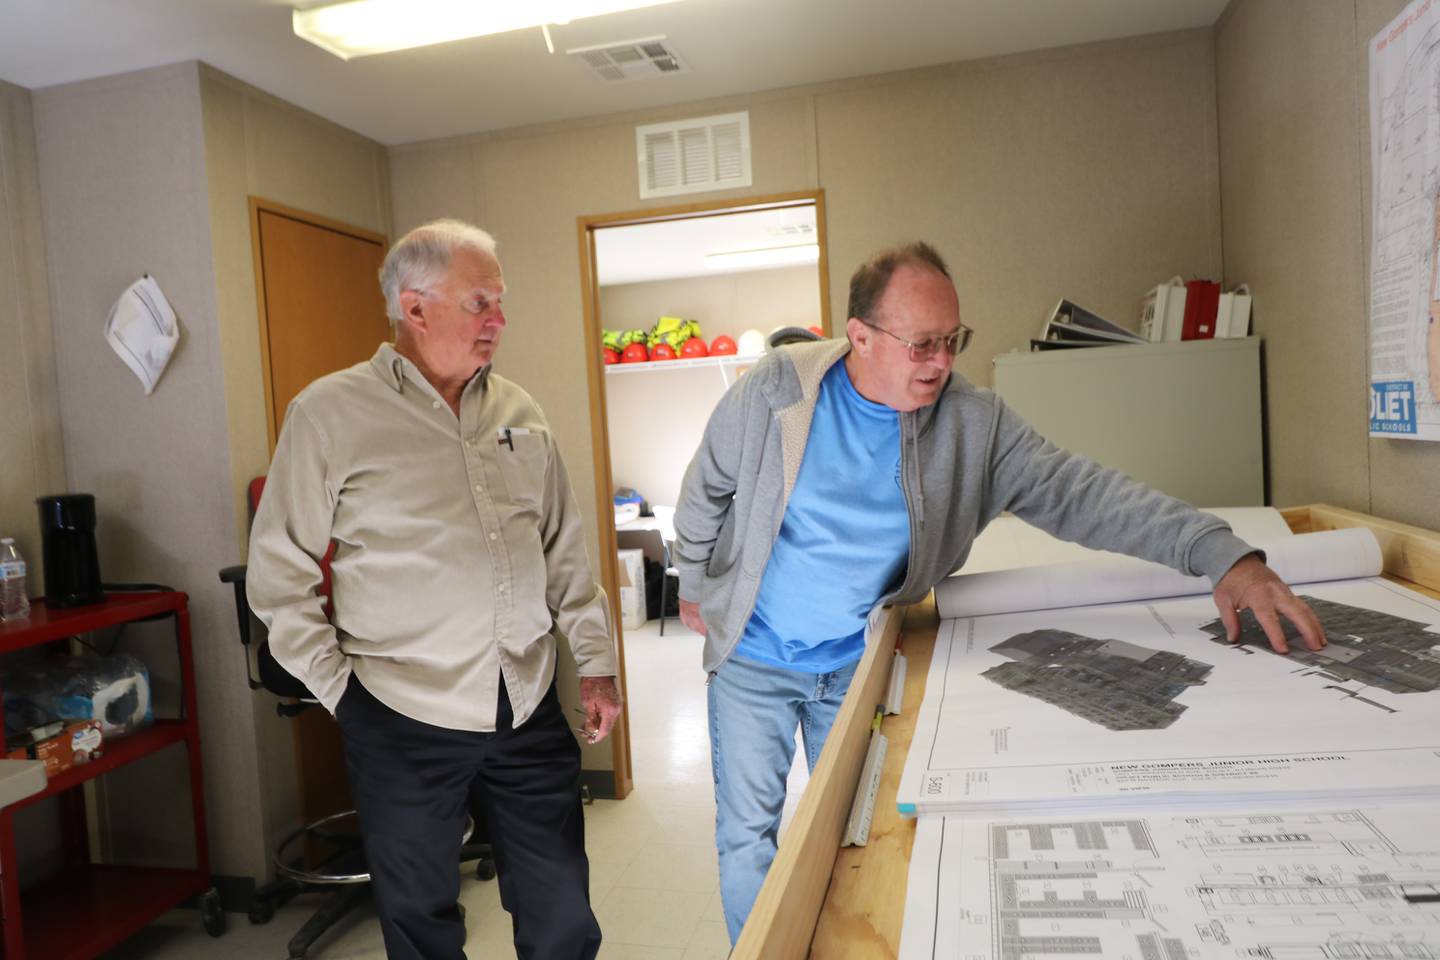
x=632, y=588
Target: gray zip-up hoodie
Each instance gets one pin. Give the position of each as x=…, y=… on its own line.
x=963, y=460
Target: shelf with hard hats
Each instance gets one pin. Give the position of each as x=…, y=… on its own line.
x=730, y=361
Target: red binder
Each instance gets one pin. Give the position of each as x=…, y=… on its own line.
x=1202, y=299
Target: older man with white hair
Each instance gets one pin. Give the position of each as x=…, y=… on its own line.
x=459, y=556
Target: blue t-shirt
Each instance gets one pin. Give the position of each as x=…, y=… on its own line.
x=844, y=541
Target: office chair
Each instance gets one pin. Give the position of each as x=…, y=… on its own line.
x=342, y=874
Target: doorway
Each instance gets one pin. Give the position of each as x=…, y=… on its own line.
x=725, y=271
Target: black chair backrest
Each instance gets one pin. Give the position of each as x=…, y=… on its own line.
x=273, y=677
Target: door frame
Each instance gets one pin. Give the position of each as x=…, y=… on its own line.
x=595, y=376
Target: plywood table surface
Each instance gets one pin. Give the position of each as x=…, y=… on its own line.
x=865, y=906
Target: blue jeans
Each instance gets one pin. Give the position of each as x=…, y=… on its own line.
x=754, y=710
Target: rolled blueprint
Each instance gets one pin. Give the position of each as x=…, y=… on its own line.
x=1306, y=558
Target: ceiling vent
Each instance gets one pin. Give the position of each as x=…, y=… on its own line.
x=692, y=156
x=640, y=59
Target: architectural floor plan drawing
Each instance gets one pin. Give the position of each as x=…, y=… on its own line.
x=1138, y=704
x=1126, y=686
x=1374, y=648
x=1329, y=885
x=1116, y=684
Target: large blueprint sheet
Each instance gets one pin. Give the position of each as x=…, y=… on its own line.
x=1329, y=884
x=1144, y=703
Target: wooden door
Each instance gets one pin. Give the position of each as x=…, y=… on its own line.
x=321, y=310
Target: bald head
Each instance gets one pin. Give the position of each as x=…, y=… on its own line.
x=868, y=282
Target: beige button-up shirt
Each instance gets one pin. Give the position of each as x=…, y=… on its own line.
x=458, y=547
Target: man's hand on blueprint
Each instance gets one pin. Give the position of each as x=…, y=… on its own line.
x=1251, y=585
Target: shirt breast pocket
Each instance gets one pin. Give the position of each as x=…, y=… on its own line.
x=523, y=470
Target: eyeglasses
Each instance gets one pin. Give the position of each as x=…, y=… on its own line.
x=474, y=306
x=953, y=343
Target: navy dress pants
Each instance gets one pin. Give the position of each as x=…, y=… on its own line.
x=412, y=784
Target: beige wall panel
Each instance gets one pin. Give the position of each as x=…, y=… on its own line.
x=433, y=181
x=298, y=159
x=773, y=298
x=32, y=461
x=782, y=146
x=1405, y=481
x=227, y=182
x=158, y=465
x=223, y=113
x=1290, y=175
x=1088, y=173
x=1404, y=474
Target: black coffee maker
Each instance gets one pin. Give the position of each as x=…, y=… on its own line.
x=67, y=536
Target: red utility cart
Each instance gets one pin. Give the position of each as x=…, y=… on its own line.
x=89, y=907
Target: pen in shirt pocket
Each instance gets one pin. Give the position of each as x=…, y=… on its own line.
x=505, y=436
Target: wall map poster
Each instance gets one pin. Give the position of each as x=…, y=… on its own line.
x=1405, y=235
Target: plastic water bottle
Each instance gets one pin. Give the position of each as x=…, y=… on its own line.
x=14, y=604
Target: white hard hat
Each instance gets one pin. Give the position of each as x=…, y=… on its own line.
x=751, y=344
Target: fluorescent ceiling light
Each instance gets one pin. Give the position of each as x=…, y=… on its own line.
x=766, y=257
x=359, y=28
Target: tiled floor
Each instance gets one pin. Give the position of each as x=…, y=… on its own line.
x=652, y=856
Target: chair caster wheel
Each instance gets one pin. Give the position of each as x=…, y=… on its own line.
x=212, y=913
x=485, y=870
x=262, y=911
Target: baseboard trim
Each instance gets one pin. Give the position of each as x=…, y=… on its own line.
x=600, y=783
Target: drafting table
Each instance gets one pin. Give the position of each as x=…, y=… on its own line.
x=850, y=903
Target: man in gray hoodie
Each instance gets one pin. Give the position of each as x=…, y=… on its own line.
x=844, y=473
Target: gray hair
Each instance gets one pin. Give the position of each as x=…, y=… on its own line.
x=419, y=259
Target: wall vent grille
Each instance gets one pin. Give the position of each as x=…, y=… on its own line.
x=693, y=156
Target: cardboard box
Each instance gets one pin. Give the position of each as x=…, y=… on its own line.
x=632, y=588
x=78, y=742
